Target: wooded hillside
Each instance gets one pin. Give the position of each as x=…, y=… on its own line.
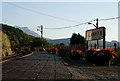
x=16, y=38
x=20, y=39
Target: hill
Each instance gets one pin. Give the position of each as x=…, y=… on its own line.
x=20, y=39
x=17, y=37
x=66, y=41
x=28, y=31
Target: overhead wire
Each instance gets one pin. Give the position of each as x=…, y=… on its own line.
x=38, y=12
x=60, y=18
x=109, y=18
x=71, y=26
x=84, y=23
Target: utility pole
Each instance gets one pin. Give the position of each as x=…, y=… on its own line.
x=103, y=34
x=41, y=31
x=40, y=28
x=96, y=28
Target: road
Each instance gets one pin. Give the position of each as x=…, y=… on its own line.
x=44, y=66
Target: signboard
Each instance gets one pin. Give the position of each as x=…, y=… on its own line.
x=95, y=34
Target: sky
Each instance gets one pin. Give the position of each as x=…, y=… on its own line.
x=61, y=14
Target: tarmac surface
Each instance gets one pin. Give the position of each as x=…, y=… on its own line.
x=43, y=66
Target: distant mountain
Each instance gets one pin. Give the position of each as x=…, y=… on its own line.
x=108, y=44
x=28, y=31
x=114, y=41
x=66, y=41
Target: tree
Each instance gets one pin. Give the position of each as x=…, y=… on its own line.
x=73, y=39
x=62, y=44
x=77, y=39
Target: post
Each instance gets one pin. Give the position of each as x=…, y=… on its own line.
x=95, y=46
x=115, y=45
x=97, y=39
x=104, y=38
x=87, y=45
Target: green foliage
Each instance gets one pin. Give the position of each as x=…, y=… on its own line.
x=62, y=44
x=77, y=39
x=59, y=44
x=14, y=34
x=6, y=45
x=20, y=39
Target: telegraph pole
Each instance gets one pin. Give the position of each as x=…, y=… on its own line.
x=97, y=23
x=41, y=31
x=40, y=28
x=96, y=28
x=103, y=34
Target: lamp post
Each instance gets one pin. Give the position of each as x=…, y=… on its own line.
x=96, y=28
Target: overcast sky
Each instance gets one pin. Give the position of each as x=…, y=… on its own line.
x=61, y=14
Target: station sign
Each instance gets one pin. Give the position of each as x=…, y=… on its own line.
x=95, y=34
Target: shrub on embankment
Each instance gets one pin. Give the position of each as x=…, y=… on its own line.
x=5, y=44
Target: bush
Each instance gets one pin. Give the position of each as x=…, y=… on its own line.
x=49, y=50
x=54, y=50
x=104, y=57
x=63, y=51
x=32, y=49
x=26, y=49
x=89, y=57
x=76, y=54
x=41, y=49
